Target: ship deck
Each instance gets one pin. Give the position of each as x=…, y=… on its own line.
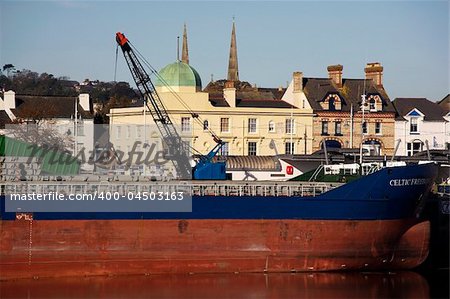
x=194, y=188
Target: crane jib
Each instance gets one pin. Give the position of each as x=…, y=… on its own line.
x=206, y=168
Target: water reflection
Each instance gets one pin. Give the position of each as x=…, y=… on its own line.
x=248, y=286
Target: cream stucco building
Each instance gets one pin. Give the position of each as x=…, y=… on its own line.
x=249, y=120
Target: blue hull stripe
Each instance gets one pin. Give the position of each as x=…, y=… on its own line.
x=380, y=196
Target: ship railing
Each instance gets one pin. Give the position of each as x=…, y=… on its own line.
x=316, y=173
x=210, y=188
x=366, y=170
x=310, y=189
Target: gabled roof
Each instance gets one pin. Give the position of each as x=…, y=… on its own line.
x=431, y=110
x=48, y=107
x=414, y=112
x=317, y=89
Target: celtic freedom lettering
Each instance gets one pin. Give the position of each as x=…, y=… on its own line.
x=408, y=182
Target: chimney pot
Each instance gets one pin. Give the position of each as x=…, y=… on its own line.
x=229, y=93
x=229, y=84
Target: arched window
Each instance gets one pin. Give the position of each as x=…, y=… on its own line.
x=331, y=144
x=205, y=125
x=372, y=147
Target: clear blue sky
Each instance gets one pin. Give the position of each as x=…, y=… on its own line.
x=77, y=39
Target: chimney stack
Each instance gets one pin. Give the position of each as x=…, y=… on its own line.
x=335, y=74
x=374, y=71
x=298, y=81
x=10, y=99
x=84, y=101
x=229, y=93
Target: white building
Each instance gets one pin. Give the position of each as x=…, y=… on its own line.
x=56, y=113
x=419, y=122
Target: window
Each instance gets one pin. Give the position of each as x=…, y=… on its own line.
x=252, y=148
x=118, y=131
x=271, y=127
x=324, y=127
x=289, y=126
x=185, y=124
x=372, y=106
x=252, y=125
x=364, y=127
x=331, y=104
x=225, y=125
x=128, y=132
x=289, y=148
x=337, y=128
x=138, y=131
x=378, y=127
x=413, y=125
x=80, y=128
x=205, y=125
x=413, y=147
x=224, y=150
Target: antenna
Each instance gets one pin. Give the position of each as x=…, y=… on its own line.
x=178, y=48
x=363, y=105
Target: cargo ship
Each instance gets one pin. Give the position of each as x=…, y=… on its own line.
x=371, y=223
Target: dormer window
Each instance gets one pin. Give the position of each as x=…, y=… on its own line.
x=413, y=128
x=414, y=116
x=372, y=105
x=331, y=103
x=374, y=102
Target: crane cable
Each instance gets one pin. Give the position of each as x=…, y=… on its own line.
x=194, y=115
x=115, y=64
x=154, y=71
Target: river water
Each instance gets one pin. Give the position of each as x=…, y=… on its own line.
x=236, y=286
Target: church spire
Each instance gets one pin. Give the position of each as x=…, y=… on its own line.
x=233, y=72
x=185, y=51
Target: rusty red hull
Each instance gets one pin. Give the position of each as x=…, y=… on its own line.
x=56, y=248
x=241, y=286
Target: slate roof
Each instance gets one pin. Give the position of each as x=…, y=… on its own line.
x=49, y=107
x=4, y=119
x=445, y=103
x=431, y=110
x=317, y=89
x=247, y=95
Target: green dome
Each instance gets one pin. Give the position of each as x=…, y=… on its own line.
x=179, y=74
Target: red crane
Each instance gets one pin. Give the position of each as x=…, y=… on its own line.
x=205, y=167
